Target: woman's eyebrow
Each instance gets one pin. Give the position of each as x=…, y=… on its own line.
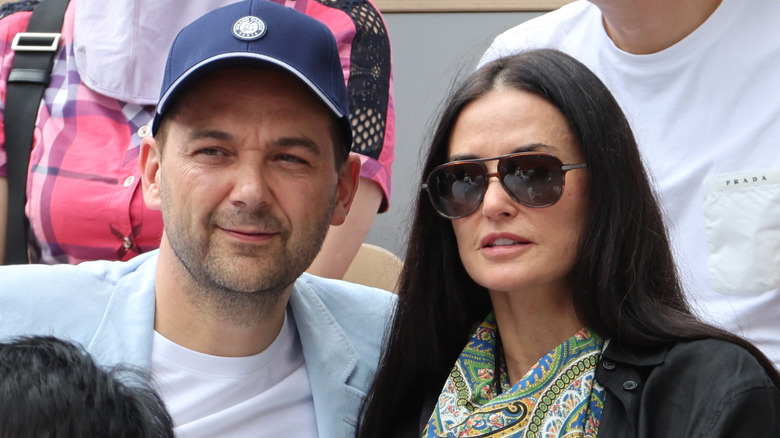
x=533, y=147
x=525, y=148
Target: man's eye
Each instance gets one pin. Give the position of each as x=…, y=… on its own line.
x=210, y=151
x=292, y=159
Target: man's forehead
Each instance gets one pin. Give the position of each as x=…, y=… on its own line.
x=197, y=133
x=230, y=107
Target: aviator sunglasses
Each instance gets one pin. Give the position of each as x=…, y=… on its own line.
x=533, y=179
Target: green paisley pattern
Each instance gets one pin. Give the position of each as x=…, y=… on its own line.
x=558, y=397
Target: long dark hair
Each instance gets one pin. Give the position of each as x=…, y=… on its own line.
x=627, y=288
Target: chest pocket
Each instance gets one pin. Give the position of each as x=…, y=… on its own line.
x=742, y=222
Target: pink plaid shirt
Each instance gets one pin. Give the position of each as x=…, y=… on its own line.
x=84, y=197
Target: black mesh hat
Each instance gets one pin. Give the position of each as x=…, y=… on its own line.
x=263, y=34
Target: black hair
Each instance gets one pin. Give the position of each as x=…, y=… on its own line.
x=53, y=388
x=627, y=288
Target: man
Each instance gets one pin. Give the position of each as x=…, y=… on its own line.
x=51, y=387
x=249, y=167
x=698, y=82
x=105, y=82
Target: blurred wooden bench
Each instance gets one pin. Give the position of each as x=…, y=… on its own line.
x=374, y=266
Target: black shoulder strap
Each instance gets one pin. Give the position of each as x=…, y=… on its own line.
x=27, y=80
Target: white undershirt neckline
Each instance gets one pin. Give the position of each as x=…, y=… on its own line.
x=264, y=395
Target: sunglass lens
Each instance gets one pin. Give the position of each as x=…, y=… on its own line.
x=536, y=181
x=456, y=190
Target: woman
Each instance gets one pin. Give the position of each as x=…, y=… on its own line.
x=566, y=300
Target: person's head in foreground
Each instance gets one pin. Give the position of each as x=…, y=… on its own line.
x=52, y=388
x=551, y=288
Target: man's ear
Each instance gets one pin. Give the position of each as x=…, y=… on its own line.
x=349, y=177
x=149, y=163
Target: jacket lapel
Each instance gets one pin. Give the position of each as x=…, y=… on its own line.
x=330, y=361
x=126, y=331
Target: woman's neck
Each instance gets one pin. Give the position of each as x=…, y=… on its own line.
x=642, y=27
x=531, y=326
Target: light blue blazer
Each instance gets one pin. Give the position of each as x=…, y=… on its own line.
x=109, y=308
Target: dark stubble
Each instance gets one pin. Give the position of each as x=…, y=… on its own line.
x=221, y=288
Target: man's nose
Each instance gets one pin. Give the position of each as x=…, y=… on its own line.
x=250, y=188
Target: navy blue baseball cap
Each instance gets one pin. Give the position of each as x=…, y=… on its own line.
x=263, y=34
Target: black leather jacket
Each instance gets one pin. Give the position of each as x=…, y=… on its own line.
x=706, y=388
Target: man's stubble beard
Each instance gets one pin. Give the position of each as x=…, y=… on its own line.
x=215, y=288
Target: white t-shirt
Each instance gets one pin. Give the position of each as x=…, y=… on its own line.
x=265, y=395
x=706, y=115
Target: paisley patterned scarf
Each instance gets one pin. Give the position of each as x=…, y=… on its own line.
x=558, y=397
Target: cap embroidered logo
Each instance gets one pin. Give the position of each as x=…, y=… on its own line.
x=249, y=28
